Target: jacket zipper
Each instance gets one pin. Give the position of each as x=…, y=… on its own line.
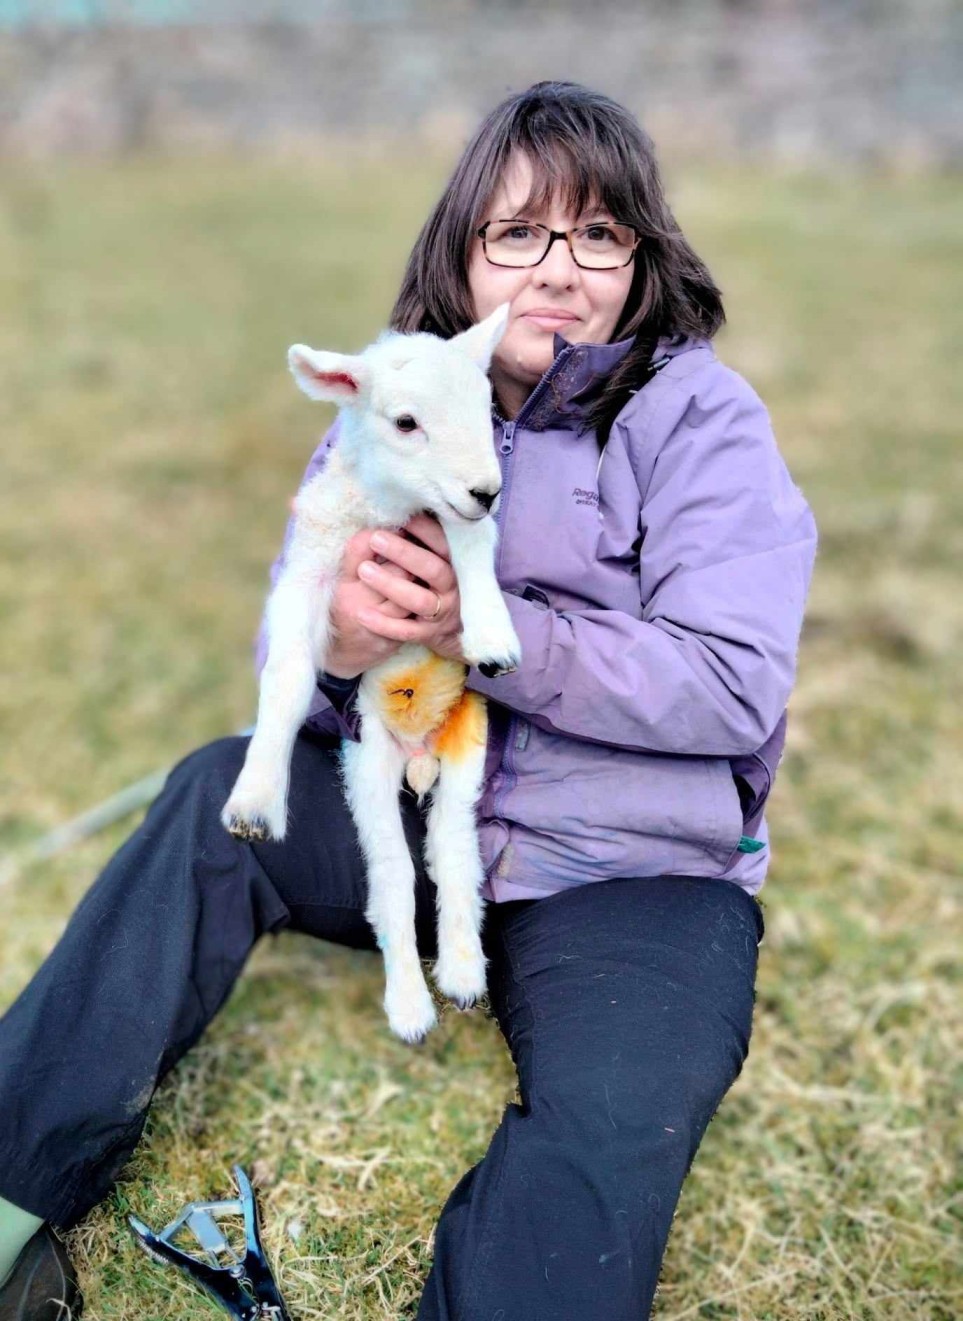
x=507, y=444
x=507, y=447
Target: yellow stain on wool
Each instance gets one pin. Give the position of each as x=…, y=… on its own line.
x=465, y=729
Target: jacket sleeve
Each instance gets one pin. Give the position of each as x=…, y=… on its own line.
x=332, y=706
x=726, y=554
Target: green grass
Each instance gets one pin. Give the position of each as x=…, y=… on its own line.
x=151, y=438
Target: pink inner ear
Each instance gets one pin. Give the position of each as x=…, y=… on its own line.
x=336, y=378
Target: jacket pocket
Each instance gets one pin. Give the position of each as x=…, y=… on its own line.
x=728, y=825
x=754, y=774
x=753, y=780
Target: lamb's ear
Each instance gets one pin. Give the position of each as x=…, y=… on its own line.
x=337, y=378
x=479, y=341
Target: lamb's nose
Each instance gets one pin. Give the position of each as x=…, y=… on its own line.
x=485, y=498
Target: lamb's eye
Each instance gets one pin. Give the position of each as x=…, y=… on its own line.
x=406, y=423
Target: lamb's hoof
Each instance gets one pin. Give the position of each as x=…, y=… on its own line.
x=494, y=669
x=495, y=650
x=247, y=820
x=411, y=1015
x=241, y=829
x=461, y=979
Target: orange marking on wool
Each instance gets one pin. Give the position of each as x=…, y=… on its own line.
x=416, y=700
x=465, y=728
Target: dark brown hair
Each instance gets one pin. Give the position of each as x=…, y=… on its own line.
x=593, y=151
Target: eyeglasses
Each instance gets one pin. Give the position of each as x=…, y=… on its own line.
x=604, y=246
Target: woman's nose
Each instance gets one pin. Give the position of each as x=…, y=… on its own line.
x=558, y=266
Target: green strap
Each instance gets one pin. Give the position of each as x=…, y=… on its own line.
x=749, y=845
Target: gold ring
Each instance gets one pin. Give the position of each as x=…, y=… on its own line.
x=437, y=611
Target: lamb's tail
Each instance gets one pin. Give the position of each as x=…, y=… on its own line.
x=421, y=772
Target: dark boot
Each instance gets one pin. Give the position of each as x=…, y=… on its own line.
x=43, y=1284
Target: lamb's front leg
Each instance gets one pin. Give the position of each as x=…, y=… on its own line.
x=373, y=772
x=488, y=637
x=454, y=861
x=297, y=622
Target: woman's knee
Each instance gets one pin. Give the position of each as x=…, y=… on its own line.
x=210, y=773
x=213, y=764
x=642, y=1089
x=179, y=814
x=181, y=839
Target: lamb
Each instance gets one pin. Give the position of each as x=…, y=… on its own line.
x=415, y=435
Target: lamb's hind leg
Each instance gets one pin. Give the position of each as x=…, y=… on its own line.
x=373, y=772
x=452, y=854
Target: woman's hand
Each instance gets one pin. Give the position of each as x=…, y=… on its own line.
x=427, y=589
x=379, y=605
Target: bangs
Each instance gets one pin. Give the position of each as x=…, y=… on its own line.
x=580, y=186
x=559, y=176
x=575, y=165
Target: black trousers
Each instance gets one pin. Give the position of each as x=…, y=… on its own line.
x=627, y=1007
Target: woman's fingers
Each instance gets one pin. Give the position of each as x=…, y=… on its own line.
x=353, y=591
x=378, y=573
x=357, y=548
x=398, y=588
x=430, y=567
x=403, y=630
x=429, y=531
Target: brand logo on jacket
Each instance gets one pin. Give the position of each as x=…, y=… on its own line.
x=586, y=497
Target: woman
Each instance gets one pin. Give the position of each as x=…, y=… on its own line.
x=656, y=556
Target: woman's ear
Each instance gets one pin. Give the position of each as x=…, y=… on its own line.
x=337, y=378
x=480, y=341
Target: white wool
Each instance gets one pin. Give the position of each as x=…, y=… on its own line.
x=381, y=474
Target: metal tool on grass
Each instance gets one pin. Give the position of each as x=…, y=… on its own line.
x=240, y=1281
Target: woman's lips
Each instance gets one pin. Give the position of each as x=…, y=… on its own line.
x=549, y=320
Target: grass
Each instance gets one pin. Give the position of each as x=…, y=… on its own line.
x=152, y=437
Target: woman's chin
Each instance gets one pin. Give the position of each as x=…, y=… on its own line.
x=530, y=361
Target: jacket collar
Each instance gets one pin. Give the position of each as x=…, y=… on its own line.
x=562, y=396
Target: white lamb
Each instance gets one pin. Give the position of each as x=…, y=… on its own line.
x=415, y=435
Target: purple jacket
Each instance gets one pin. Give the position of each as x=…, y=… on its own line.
x=658, y=593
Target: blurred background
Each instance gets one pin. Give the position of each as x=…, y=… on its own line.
x=853, y=82
x=188, y=188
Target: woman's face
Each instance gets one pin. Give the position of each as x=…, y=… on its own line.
x=554, y=297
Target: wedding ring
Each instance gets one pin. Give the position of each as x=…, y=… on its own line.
x=437, y=610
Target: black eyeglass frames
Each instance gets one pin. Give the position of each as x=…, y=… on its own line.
x=603, y=246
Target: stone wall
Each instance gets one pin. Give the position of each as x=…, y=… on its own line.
x=779, y=81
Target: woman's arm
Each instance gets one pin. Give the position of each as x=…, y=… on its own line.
x=728, y=544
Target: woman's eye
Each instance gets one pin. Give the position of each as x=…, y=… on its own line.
x=406, y=423
x=598, y=233
x=506, y=232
